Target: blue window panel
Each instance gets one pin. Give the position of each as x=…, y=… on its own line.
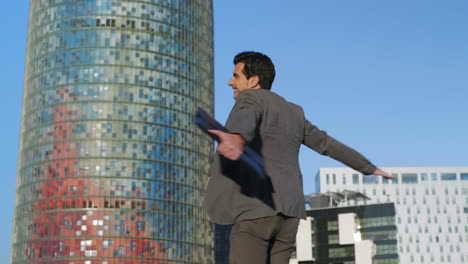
x=409, y=178
x=370, y=179
x=448, y=176
x=464, y=176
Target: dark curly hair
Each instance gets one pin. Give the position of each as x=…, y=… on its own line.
x=256, y=63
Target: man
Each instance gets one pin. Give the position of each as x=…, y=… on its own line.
x=266, y=212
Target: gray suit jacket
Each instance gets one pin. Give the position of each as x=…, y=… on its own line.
x=275, y=129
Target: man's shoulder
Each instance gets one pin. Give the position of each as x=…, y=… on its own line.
x=252, y=93
x=253, y=96
x=260, y=94
x=263, y=96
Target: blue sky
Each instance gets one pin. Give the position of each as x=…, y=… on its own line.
x=388, y=78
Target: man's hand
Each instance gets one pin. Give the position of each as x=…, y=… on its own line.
x=230, y=146
x=382, y=173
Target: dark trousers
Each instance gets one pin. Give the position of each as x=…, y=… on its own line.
x=268, y=240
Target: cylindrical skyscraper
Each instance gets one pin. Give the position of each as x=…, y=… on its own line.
x=112, y=169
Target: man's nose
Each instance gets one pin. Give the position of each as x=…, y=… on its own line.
x=230, y=81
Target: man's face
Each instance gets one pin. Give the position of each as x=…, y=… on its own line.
x=239, y=81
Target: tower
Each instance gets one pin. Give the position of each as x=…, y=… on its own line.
x=111, y=167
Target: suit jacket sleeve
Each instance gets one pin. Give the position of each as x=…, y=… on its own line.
x=319, y=141
x=245, y=115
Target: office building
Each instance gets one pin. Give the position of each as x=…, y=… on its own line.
x=431, y=207
x=364, y=234
x=111, y=167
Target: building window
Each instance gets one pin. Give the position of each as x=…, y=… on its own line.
x=355, y=178
x=448, y=176
x=385, y=180
x=464, y=176
x=408, y=178
x=370, y=179
x=395, y=178
x=434, y=176
x=424, y=177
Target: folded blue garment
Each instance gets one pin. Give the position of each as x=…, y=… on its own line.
x=206, y=122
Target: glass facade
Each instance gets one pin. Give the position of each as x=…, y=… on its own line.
x=112, y=169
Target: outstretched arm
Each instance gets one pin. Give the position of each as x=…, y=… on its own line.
x=319, y=141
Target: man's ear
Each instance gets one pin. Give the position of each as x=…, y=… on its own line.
x=254, y=82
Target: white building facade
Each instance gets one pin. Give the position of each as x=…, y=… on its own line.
x=431, y=207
